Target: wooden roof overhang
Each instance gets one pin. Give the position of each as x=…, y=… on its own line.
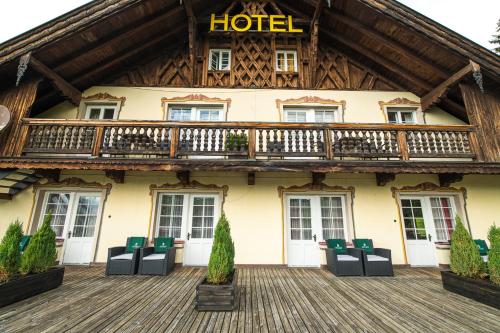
x=97, y=42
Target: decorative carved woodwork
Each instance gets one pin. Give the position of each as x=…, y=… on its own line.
x=73, y=182
x=191, y=185
x=400, y=101
x=384, y=178
x=318, y=178
x=194, y=99
x=309, y=100
x=104, y=97
x=251, y=178
x=52, y=175
x=117, y=175
x=321, y=187
x=253, y=65
x=22, y=67
x=446, y=179
x=428, y=187
x=183, y=176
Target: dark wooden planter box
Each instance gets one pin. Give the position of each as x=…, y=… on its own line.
x=30, y=285
x=479, y=290
x=211, y=297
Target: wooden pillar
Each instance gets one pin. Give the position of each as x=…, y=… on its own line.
x=483, y=111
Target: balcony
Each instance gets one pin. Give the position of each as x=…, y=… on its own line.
x=85, y=139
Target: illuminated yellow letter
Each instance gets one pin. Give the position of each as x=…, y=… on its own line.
x=213, y=21
x=259, y=21
x=290, y=26
x=236, y=17
x=275, y=20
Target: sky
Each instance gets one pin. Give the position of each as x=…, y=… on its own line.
x=477, y=23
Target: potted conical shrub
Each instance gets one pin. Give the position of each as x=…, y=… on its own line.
x=35, y=272
x=217, y=291
x=468, y=275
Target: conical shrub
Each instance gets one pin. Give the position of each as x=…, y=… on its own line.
x=494, y=254
x=10, y=256
x=41, y=254
x=221, y=263
x=464, y=254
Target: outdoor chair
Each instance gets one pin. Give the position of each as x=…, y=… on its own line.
x=124, y=260
x=483, y=248
x=376, y=261
x=159, y=259
x=23, y=244
x=343, y=261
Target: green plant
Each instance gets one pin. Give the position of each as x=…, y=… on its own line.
x=494, y=254
x=41, y=253
x=221, y=263
x=10, y=256
x=464, y=254
x=236, y=141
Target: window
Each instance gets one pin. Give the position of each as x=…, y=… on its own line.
x=220, y=60
x=442, y=212
x=203, y=217
x=332, y=218
x=57, y=205
x=170, y=215
x=101, y=111
x=401, y=115
x=195, y=113
x=310, y=114
x=286, y=61
x=300, y=219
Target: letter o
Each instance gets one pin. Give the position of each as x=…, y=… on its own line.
x=236, y=17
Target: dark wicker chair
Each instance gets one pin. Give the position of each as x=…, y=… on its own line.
x=483, y=248
x=124, y=260
x=376, y=261
x=157, y=260
x=343, y=261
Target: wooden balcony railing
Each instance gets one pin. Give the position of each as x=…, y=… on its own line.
x=168, y=140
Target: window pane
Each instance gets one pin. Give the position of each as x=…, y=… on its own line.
x=180, y=114
x=407, y=117
x=280, y=56
x=225, y=60
x=214, y=61
x=393, y=117
x=57, y=205
x=109, y=113
x=95, y=113
x=332, y=218
x=443, y=216
x=290, y=61
x=170, y=216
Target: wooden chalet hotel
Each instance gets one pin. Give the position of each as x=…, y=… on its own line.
x=302, y=120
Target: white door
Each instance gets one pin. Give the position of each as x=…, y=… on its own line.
x=81, y=233
x=303, y=232
x=202, y=219
x=419, y=231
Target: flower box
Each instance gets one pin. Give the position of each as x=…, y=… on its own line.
x=210, y=297
x=482, y=291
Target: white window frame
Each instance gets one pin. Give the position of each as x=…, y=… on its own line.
x=310, y=112
x=219, y=62
x=196, y=111
x=402, y=109
x=102, y=107
x=286, y=54
x=68, y=212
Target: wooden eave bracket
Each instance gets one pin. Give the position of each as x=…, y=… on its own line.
x=51, y=175
x=446, y=179
x=118, y=176
x=318, y=178
x=183, y=177
x=251, y=178
x=440, y=91
x=384, y=178
x=66, y=88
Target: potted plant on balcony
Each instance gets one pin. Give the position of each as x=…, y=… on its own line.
x=468, y=276
x=217, y=291
x=33, y=272
x=237, y=143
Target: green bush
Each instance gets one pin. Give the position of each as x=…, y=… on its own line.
x=40, y=255
x=10, y=256
x=494, y=254
x=221, y=263
x=464, y=254
x=236, y=141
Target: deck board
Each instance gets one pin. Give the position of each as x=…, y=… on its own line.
x=270, y=299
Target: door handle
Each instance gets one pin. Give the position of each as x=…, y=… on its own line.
x=188, y=236
x=69, y=234
x=430, y=238
x=314, y=237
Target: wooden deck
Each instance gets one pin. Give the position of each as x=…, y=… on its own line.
x=270, y=300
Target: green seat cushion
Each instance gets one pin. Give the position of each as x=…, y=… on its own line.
x=24, y=243
x=363, y=244
x=163, y=243
x=134, y=243
x=338, y=244
x=482, y=246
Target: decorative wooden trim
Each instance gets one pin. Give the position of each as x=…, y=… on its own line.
x=195, y=98
x=401, y=101
x=117, y=175
x=104, y=97
x=428, y=187
x=312, y=187
x=74, y=182
x=309, y=100
x=191, y=185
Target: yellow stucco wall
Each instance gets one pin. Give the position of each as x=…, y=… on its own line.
x=251, y=104
x=255, y=212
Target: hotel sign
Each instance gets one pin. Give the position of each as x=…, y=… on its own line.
x=243, y=23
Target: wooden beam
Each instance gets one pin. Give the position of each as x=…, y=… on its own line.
x=446, y=179
x=437, y=93
x=384, y=178
x=192, y=36
x=251, y=178
x=66, y=88
x=117, y=175
x=314, y=41
x=317, y=12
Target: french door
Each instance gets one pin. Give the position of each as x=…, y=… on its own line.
x=426, y=220
x=75, y=219
x=310, y=220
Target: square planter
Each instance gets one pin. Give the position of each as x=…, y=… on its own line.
x=211, y=297
x=30, y=285
x=479, y=290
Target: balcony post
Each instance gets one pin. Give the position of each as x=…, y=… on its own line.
x=474, y=146
x=174, y=140
x=403, y=145
x=99, y=135
x=23, y=135
x=252, y=143
x=328, y=144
